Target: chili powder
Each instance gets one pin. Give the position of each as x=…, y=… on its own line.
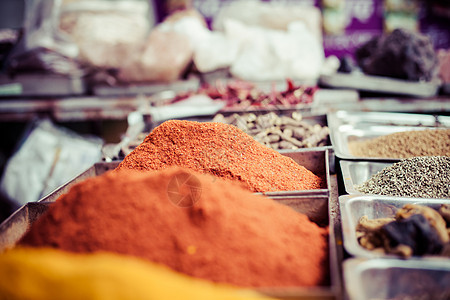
x=221, y=150
x=227, y=235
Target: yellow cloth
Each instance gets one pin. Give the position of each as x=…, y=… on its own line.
x=54, y=274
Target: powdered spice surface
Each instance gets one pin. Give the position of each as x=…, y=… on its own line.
x=405, y=144
x=221, y=150
x=227, y=235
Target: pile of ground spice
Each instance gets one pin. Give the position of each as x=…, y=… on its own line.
x=405, y=144
x=221, y=150
x=424, y=177
x=195, y=224
x=43, y=274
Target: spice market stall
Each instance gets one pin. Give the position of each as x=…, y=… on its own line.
x=224, y=152
x=227, y=152
x=255, y=165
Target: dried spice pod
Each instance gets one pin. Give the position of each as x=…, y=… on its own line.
x=368, y=232
x=279, y=132
x=444, y=210
x=432, y=216
x=416, y=230
x=411, y=236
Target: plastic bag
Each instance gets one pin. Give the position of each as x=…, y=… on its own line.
x=42, y=60
x=49, y=157
x=41, y=28
x=211, y=49
x=107, y=32
x=164, y=58
x=275, y=54
x=276, y=40
x=275, y=15
x=43, y=47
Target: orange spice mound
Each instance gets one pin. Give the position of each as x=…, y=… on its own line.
x=221, y=150
x=223, y=233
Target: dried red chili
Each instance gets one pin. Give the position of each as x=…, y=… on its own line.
x=222, y=150
x=240, y=94
x=227, y=235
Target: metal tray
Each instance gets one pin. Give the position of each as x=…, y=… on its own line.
x=316, y=160
x=120, y=150
x=311, y=119
x=353, y=207
x=380, y=84
x=307, y=116
x=357, y=126
x=357, y=172
x=315, y=207
x=191, y=84
x=396, y=279
x=13, y=228
x=95, y=170
x=319, y=205
x=25, y=85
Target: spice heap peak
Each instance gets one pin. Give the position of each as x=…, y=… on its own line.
x=227, y=235
x=221, y=150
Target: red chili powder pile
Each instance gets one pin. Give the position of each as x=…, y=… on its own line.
x=227, y=234
x=221, y=150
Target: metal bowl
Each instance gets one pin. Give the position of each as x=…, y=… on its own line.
x=397, y=279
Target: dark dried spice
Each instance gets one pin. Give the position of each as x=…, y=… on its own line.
x=414, y=232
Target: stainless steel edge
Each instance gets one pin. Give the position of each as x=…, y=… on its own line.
x=315, y=207
x=308, y=157
x=357, y=172
x=13, y=228
x=335, y=240
x=90, y=172
x=379, y=277
x=381, y=84
x=314, y=159
x=327, y=170
x=350, y=242
x=342, y=123
x=346, y=177
x=388, y=118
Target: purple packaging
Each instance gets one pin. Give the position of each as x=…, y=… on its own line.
x=364, y=20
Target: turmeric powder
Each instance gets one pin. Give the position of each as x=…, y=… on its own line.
x=27, y=273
